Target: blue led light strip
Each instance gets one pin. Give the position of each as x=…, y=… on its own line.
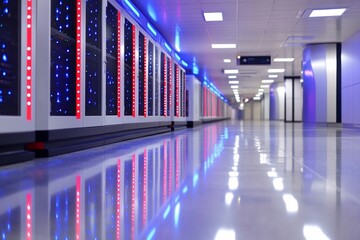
x=167, y=47
x=135, y=11
x=152, y=29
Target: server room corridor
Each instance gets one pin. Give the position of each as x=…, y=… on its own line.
x=222, y=181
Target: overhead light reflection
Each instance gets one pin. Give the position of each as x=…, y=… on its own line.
x=229, y=196
x=278, y=184
x=177, y=214
x=312, y=232
x=291, y=203
x=233, y=183
x=225, y=234
x=233, y=174
x=272, y=174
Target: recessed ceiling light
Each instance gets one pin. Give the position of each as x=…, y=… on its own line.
x=231, y=71
x=273, y=76
x=283, y=59
x=264, y=86
x=227, y=60
x=261, y=90
x=256, y=98
x=335, y=12
x=267, y=81
x=223, y=45
x=233, y=82
x=276, y=70
x=213, y=16
x=234, y=86
x=232, y=77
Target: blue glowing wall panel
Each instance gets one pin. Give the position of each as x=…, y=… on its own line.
x=93, y=206
x=127, y=199
x=9, y=57
x=10, y=224
x=141, y=74
x=62, y=214
x=162, y=85
x=63, y=58
x=111, y=201
x=111, y=59
x=128, y=81
x=157, y=84
x=168, y=88
x=151, y=79
x=93, y=58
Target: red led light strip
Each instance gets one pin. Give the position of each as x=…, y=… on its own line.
x=145, y=78
x=28, y=217
x=170, y=85
x=77, y=223
x=133, y=197
x=177, y=90
x=177, y=163
x=144, y=204
x=78, y=58
x=165, y=87
x=29, y=60
x=119, y=65
x=118, y=197
x=165, y=172
x=184, y=96
x=133, y=72
x=204, y=103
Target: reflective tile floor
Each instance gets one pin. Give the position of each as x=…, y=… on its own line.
x=224, y=181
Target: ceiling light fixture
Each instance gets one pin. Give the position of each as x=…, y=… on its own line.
x=233, y=82
x=335, y=12
x=267, y=81
x=232, y=77
x=264, y=86
x=280, y=70
x=213, y=16
x=223, y=45
x=231, y=71
x=227, y=60
x=234, y=86
x=261, y=90
x=284, y=59
x=273, y=76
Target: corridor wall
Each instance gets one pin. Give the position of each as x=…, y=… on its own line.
x=351, y=80
x=322, y=83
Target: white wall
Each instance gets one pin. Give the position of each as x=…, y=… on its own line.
x=351, y=80
x=321, y=69
x=252, y=111
x=265, y=107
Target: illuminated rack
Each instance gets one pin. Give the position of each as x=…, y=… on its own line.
x=113, y=59
x=93, y=71
x=65, y=59
x=10, y=58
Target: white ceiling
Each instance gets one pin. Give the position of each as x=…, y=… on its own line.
x=258, y=27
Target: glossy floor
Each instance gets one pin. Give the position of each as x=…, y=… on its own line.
x=230, y=180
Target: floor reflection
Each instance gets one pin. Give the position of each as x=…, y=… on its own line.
x=122, y=191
